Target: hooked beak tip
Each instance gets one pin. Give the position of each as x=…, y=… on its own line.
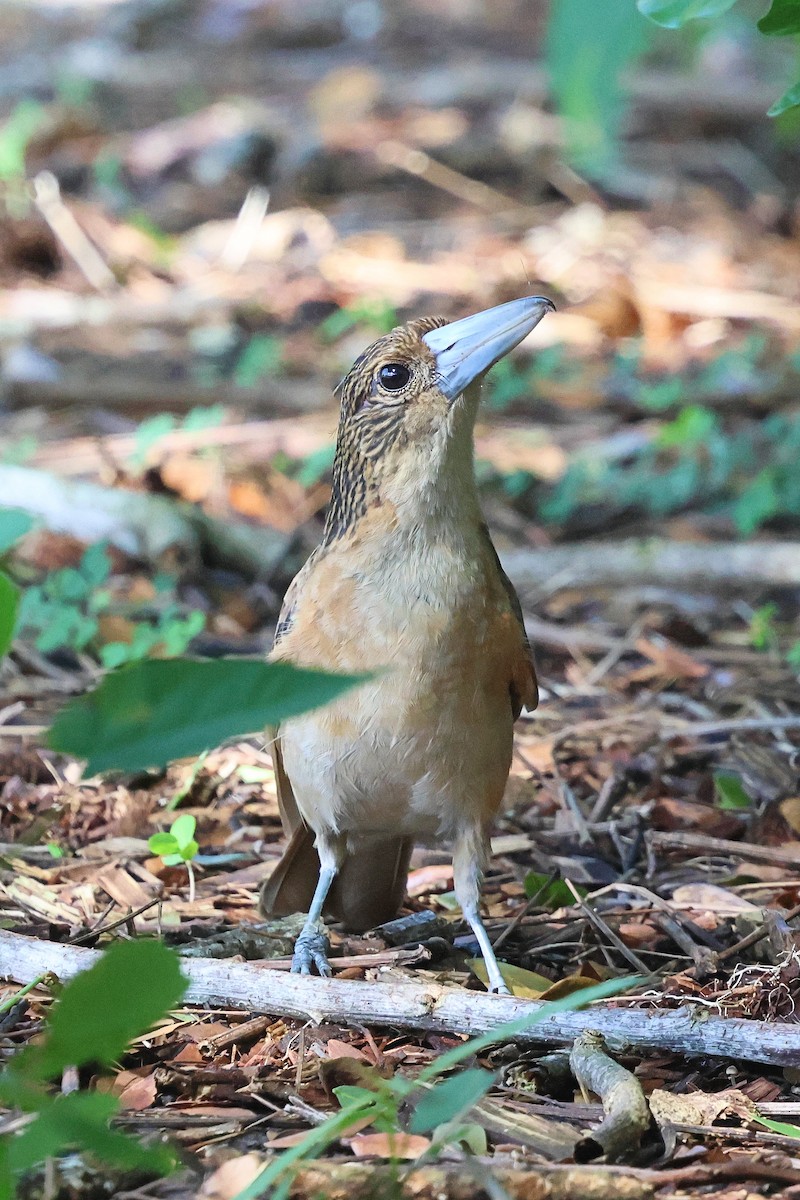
x=464, y=350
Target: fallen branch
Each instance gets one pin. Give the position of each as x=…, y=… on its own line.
x=139, y=523
x=360, y=1181
x=627, y=1116
x=699, y=843
x=655, y=561
x=428, y=1006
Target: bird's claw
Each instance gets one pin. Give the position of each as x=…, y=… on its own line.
x=311, y=949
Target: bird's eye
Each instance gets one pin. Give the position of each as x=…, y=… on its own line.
x=393, y=376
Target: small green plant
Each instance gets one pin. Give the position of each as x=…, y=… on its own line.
x=378, y=316
x=65, y=610
x=763, y=634
x=550, y=892
x=731, y=794
x=92, y=1022
x=16, y=134
x=438, y=1102
x=14, y=524
x=261, y=358
x=178, y=846
x=150, y=432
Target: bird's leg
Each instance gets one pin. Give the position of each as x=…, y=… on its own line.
x=469, y=858
x=311, y=947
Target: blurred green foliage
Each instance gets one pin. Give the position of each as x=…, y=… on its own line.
x=64, y=611
x=96, y=1016
x=587, y=50
x=589, y=47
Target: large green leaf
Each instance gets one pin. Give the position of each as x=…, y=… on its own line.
x=789, y=99
x=674, y=13
x=14, y=524
x=588, y=47
x=9, y=606
x=80, y=1121
x=100, y=1010
x=149, y=713
x=783, y=18
x=450, y=1099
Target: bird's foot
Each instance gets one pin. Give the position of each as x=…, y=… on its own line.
x=500, y=988
x=311, y=949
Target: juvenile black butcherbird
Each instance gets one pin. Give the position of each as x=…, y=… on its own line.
x=405, y=582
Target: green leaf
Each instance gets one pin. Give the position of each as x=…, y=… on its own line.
x=731, y=793
x=349, y=1094
x=80, y=1121
x=14, y=524
x=550, y=893
x=789, y=99
x=9, y=607
x=671, y=14
x=587, y=50
x=173, y=860
x=148, y=713
x=183, y=829
x=759, y=501
x=449, y=1098
x=261, y=357
x=782, y=19
x=100, y=1010
x=792, y=1131
x=95, y=564
x=162, y=843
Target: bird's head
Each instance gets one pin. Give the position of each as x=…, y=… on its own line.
x=408, y=407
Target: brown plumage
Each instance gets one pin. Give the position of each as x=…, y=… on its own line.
x=405, y=583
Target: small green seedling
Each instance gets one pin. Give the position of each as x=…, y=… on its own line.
x=178, y=846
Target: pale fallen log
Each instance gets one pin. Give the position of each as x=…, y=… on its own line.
x=429, y=1007
x=139, y=523
x=655, y=561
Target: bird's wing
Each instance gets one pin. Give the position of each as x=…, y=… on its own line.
x=523, y=687
x=370, y=886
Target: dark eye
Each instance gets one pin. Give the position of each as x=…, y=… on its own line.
x=393, y=377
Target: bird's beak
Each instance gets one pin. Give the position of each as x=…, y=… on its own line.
x=465, y=349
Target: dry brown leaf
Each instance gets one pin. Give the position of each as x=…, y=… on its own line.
x=709, y=897
x=338, y=1049
x=638, y=933
x=568, y=985
x=389, y=1145
x=139, y=1093
x=700, y=1108
x=424, y=879
x=232, y=1177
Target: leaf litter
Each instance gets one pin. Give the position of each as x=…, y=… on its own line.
x=660, y=775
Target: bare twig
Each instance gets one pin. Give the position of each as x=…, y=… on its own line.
x=47, y=194
x=607, y=932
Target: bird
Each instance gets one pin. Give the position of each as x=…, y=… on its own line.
x=406, y=586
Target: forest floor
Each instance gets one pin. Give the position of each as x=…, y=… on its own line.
x=158, y=347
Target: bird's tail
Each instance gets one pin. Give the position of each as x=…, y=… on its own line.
x=368, y=890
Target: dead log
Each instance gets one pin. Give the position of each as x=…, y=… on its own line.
x=654, y=561
x=427, y=1006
